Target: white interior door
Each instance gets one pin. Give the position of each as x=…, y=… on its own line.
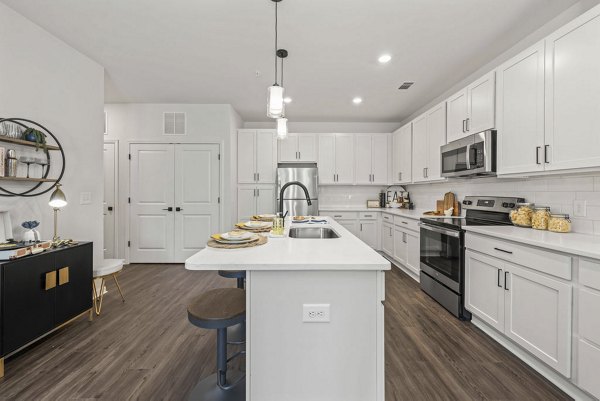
x=196, y=197
x=110, y=186
x=151, y=188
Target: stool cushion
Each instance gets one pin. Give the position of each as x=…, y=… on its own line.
x=218, y=308
x=108, y=266
x=232, y=273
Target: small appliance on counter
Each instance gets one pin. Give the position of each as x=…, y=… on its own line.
x=443, y=248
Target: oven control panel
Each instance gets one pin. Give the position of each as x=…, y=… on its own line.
x=491, y=203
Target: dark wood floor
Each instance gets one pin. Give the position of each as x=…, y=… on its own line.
x=145, y=349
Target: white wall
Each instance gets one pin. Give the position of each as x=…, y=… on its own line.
x=45, y=80
x=206, y=123
x=557, y=192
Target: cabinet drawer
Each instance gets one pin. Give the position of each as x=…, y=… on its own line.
x=406, y=223
x=555, y=264
x=387, y=217
x=368, y=215
x=587, y=366
x=589, y=318
x=589, y=273
x=342, y=215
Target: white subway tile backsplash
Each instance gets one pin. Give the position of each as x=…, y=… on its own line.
x=556, y=192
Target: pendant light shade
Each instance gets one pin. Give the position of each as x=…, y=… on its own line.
x=275, y=105
x=282, y=129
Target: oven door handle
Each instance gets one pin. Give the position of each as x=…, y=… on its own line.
x=450, y=233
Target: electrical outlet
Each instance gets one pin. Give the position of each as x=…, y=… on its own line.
x=85, y=198
x=315, y=313
x=579, y=208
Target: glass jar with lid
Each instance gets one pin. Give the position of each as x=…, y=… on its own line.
x=559, y=223
x=540, y=217
x=521, y=216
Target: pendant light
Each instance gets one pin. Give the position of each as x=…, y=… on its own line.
x=275, y=93
x=282, y=129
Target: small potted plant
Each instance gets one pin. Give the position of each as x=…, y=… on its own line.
x=37, y=136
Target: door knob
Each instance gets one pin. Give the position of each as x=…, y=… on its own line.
x=178, y=209
x=169, y=209
x=110, y=208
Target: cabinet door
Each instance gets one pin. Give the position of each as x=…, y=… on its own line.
x=28, y=310
x=265, y=200
x=266, y=156
x=246, y=156
x=307, y=148
x=406, y=154
x=520, y=107
x=288, y=149
x=436, y=137
x=350, y=225
x=397, y=156
x=573, y=94
x=482, y=102
x=400, y=247
x=457, y=116
x=368, y=232
x=379, y=159
x=74, y=285
x=326, y=159
x=413, y=252
x=362, y=161
x=387, y=239
x=246, y=202
x=538, y=316
x=344, y=158
x=420, y=151
x=484, y=291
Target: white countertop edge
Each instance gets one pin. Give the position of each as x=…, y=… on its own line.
x=294, y=267
x=585, y=245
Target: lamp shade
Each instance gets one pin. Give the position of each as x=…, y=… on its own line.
x=58, y=198
x=282, y=129
x=275, y=105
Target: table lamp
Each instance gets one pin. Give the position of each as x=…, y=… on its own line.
x=58, y=200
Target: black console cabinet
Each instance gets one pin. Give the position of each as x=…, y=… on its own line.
x=39, y=293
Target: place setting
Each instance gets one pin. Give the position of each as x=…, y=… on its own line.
x=236, y=239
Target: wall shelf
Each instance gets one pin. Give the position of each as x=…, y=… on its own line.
x=26, y=143
x=26, y=179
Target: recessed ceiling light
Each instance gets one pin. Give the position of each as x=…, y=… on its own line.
x=384, y=58
x=287, y=99
x=357, y=100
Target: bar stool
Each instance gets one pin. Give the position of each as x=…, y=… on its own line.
x=219, y=309
x=236, y=334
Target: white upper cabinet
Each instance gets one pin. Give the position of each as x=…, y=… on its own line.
x=297, y=148
x=520, y=112
x=402, y=155
x=336, y=159
x=429, y=134
x=371, y=160
x=573, y=94
x=472, y=110
x=257, y=156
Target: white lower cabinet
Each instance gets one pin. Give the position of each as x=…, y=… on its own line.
x=254, y=200
x=400, y=247
x=413, y=252
x=531, y=308
x=588, y=351
x=350, y=225
x=387, y=238
x=368, y=232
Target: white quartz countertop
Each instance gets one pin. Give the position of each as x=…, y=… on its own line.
x=411, y=214
x=344, y=253
x=573, y=243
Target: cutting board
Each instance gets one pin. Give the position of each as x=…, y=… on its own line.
x=449, y=200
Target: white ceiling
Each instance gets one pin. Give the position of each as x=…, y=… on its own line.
x=208, y=51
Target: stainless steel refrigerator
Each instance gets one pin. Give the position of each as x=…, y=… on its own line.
x=294, y=199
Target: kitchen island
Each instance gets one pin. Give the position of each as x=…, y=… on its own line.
x=315, y=316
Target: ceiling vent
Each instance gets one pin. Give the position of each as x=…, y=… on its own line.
x=174, y=123
x=406, y=85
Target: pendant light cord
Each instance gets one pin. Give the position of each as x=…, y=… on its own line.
x=275, y=43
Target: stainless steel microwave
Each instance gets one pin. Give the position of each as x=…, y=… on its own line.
x=474, y=155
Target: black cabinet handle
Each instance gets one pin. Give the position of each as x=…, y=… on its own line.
x=110, y=208
x=506, y=281
x=169, y=209
x=502, y=250
x=178, y=209
x=499, y=272
x=546, y=154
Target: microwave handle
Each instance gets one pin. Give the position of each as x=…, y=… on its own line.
x=468, y=156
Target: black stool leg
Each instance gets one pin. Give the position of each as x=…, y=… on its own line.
x=222, y=357
x=240, y=282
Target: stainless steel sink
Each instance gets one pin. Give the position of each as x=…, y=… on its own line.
x=313, y=232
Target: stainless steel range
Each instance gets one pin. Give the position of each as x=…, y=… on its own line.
x=443, y=248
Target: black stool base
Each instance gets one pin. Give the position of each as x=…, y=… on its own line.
x=208, y=390
x=236, y=334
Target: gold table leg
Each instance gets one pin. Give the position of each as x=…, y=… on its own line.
x=1, y=367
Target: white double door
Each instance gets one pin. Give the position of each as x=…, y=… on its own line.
x=174, y=200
